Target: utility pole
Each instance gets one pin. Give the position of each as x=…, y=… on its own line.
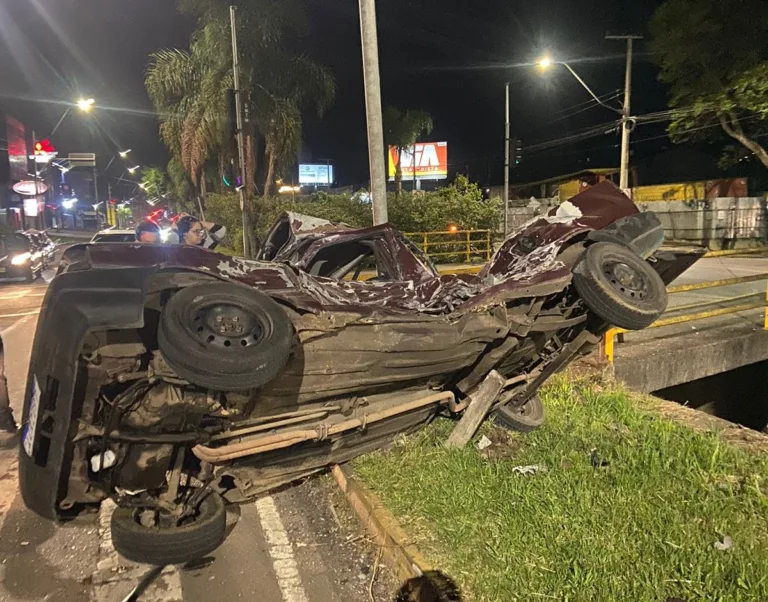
x=506, y=162
x=247, y=251
x=626, y=119
x=373, y=110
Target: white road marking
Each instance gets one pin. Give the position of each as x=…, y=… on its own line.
x=281, y=551
x=115, y=577
x=19, y=315
x=20, y=295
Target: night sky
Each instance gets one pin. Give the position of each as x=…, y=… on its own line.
x=448, y=57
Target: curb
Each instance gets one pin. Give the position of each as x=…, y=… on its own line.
x=382, y=525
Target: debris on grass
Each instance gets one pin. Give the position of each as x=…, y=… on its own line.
x=724, y=545
x=530, y=469
x=484, y=443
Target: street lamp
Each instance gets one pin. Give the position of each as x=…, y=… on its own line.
x=132, y=170
x=85, y=104
x=626, y=120
x=124, y=153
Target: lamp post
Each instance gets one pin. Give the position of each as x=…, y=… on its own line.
x=84, y=105
x=624, y=111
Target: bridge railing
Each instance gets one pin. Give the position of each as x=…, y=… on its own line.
x=748, y=302
x=460, y=246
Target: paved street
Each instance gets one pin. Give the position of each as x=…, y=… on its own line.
x=298, y=545
x=709, y=269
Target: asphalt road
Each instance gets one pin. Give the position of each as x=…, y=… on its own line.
x=300, y=544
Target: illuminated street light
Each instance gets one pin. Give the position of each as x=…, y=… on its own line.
x=96, y=205
x=124, y=153
x=85, y=104
x=545, y=62
x=132, y=170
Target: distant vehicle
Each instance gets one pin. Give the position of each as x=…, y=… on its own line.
x=168, y=376
x=20, y=257
x=43, y=243
x=114, y=236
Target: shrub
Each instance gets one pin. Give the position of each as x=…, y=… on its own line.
x=460, y=204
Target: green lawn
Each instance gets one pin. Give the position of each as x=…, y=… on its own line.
x=643, y=527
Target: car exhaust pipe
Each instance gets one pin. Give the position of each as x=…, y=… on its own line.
x=217, y=455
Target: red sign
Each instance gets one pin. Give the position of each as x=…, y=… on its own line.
x=430, y=159
x=44, y=147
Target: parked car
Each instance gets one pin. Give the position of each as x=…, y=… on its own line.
x=114, y=235
x=20, y=257
x=169, y=377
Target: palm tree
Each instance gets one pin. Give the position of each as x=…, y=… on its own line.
x=402, y=129
x=189, y=88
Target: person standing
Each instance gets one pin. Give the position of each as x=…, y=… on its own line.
x=198, y=233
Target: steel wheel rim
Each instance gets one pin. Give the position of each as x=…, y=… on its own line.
x=226, y=326
x=626, y=280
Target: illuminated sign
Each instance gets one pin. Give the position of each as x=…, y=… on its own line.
x=315, y=174
x=430, y=159
x=30, y=187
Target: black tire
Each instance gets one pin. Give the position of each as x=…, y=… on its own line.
x=189, y=541
x=524, y=419
x=248, y=355
x=30, y=275
x=619, y=286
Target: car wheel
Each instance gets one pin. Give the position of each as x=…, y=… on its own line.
x=619, y=286
x=160, y=544
x=524, y=418
x=30, y=275
x=225, y=336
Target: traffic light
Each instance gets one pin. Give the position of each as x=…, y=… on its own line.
x=518, y=151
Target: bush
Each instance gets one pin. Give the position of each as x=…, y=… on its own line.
x=460, y=204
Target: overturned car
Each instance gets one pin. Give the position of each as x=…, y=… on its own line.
x=171, y=377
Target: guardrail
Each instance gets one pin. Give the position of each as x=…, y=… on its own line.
x=611, y=335
x=458, y=246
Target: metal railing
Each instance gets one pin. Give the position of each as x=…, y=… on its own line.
x=758, y=301
x=454, y=247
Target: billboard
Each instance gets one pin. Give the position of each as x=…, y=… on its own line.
x=17, y=148
x=311, y=173
x=430, y=158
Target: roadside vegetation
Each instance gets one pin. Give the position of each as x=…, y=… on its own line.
x=624, y=505
x=460, y=204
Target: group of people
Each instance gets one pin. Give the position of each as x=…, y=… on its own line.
x=188, y=230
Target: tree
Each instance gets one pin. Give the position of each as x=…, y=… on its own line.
x=401, y=130
x=713, y=55
x=154, y=182
x=189, y=88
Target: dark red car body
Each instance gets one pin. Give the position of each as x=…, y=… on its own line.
x=363, y=349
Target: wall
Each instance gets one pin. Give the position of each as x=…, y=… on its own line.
x=721, y=223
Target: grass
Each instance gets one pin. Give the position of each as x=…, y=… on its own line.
x=642, y=527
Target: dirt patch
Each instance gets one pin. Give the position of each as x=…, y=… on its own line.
x=504, y=444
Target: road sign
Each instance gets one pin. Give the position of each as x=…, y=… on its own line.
x=82, y=159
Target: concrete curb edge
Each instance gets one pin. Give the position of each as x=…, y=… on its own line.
x=397, y=551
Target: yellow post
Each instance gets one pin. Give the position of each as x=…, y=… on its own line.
x=467, y=246
x=765, y=311
x=608, y=344
x=488, y=247
x=424, y=242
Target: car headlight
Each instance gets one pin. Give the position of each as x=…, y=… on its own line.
x=21, y=258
